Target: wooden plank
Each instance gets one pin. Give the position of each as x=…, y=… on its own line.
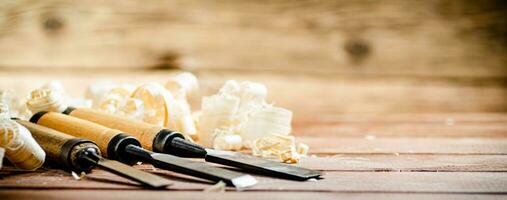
x=403, y=124
x=395, y=118
x=441, y=182
x=176, y=195
x=407, y=163
x=337, y=145
x=342, y=94
x=360, y=37
x=445, y=128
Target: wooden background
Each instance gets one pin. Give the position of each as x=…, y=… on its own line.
x=398, y=98
x=373, y=56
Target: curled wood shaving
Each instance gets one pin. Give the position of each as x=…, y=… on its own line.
x=152, y=103
x=226, y=140
x=241, y=108
x=46, y=100
x=183, y=85
x=281, y=146
x=21, y=149
x=239, y=112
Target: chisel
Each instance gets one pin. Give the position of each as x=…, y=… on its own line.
x=81, y=155
x=162, y=140
x=127, y=149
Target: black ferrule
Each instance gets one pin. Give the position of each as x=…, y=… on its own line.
x=162, y=141
x=35, y=118
x=66, y=155
x=88, y=157
x=174, y=143
x=68, y=110
x=117, y=145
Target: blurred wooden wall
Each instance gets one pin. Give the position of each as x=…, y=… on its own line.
x=372, y=56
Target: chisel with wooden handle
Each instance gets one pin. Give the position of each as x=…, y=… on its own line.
x=163, y=140
x=127, y=149
x=81, y=155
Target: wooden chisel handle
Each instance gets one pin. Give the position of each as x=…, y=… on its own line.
x=111, y=142
x=145, y=132
x=60, y=147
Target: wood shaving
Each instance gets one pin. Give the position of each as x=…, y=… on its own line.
x=217, y=112
x=160, y=106
x=156, y=102
x=241, y=107
x=225, y=140
x=218, y=187
x=239, y=112
x=46, y=100
x=152, y=103
x=302, y=149
x=78, y=177
x=55, y=86
x=281, y=146
x=183, y=85
x=4, y=110
x=264, y=121
x=21, y=149
x=96, y=92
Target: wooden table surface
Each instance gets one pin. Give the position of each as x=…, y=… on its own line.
x=361, y=156
x=377, y=137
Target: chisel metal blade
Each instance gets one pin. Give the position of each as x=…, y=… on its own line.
x=193, y=168
x=262, y=166
x=244, y=161
x=137, y=175
x=127, y=171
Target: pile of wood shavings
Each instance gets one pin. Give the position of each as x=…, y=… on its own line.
x=237, y=117
x=153, y=103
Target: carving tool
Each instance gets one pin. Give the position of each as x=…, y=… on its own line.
x=127, y=149
x=162, y=140
x=81, y=155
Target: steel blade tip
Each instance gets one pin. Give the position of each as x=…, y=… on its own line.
x=244, y=181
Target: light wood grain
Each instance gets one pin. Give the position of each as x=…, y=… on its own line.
x=445, y=128
x=407, y=163
x=442, y=38
x=101, y=135
x=22, y=194
x=316, y=95
x=395, y=118
x=337, y=145
x=448, y=182
x=145, y=132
